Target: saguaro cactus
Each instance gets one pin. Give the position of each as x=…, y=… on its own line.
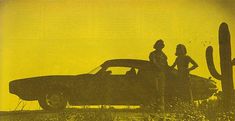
x=226, y=64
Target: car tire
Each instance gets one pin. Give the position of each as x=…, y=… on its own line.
x=53, y=101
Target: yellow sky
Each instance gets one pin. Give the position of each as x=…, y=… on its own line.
x=47, y=37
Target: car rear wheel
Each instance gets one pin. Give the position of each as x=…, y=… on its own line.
x=53, y=101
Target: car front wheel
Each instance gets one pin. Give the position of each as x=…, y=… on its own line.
x=53, y=101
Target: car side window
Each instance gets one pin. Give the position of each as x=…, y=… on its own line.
x=122, y=70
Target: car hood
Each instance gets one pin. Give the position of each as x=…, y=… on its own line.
x=56, y=77
x=50, y=79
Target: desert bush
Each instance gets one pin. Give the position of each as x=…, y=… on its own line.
x=177, y=109
x=182, y=110
x=98, y=115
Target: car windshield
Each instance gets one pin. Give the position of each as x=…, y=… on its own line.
x=94, y=71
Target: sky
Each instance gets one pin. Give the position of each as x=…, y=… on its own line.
x=67, y=37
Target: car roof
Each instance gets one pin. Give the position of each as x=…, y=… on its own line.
x=128, y=63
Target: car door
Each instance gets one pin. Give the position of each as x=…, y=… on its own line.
x=145, y=86
x=87, y=91
x=119, y=85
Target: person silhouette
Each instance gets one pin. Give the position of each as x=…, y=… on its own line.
x=182, y=62
x=159, y=59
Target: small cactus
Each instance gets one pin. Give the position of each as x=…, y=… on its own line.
x=226, y=64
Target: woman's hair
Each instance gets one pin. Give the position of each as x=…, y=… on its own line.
x=159, y=44
x=180, y=50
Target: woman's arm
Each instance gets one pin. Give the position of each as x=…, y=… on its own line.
x=195, y=65
x=174, y=64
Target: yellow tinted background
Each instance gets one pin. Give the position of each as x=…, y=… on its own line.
x=59, y=37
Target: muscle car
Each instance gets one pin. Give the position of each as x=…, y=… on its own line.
x=115, y=82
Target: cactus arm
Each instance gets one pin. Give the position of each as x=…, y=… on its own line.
x=210, y=63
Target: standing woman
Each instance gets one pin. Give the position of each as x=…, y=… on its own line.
x=182, y=62
x=159, y=59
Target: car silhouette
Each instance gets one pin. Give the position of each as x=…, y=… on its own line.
x=115, y=82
